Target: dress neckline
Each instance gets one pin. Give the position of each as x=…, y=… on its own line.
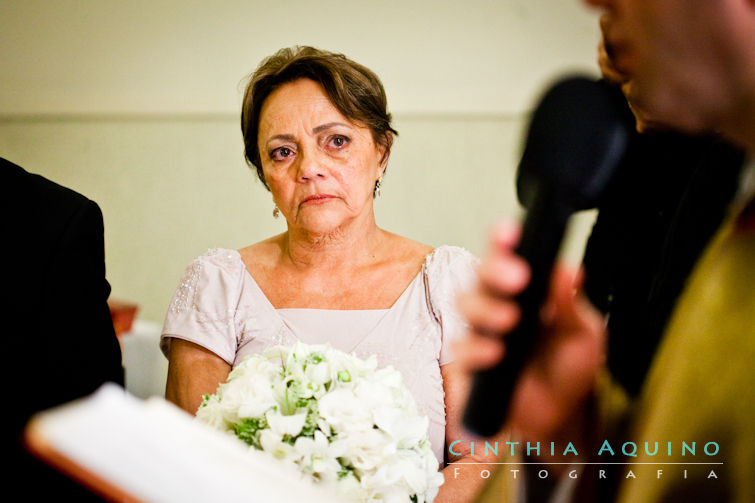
x=417, y=282
x=398, y=301
x=315, y=310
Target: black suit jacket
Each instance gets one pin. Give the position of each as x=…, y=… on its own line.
x=58, y=330
x=664, y=204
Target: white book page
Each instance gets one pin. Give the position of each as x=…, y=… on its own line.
x=155, y=452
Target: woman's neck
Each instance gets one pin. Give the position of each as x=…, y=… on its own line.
x=346, y=245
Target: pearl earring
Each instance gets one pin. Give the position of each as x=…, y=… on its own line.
x=376, y=190
x=276, y=212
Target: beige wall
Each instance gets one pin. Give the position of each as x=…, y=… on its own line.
x=134, y=104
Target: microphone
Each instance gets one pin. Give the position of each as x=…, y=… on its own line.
x=575, y=141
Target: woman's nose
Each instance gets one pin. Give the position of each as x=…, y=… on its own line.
x=309, y=167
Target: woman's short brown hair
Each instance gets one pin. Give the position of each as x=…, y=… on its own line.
x=352, y=88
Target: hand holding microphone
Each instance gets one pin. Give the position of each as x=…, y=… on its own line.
x=575, y=141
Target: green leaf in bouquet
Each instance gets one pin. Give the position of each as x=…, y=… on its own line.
x=346, y=469
x=290, y=398
x=249, y=430
x=314, y=358
x=310, y=424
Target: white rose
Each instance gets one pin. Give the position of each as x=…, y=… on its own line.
x=405, y=429
x=413, y=474
x=248, y=391
x=357, y=367
x=286, y=425
x=344, y=411
x=372, y=395
x=211, y=413
x=254, y=366
x=243, y=398
x=319, y=373
x=276, y=354
x=388, y=376
x=367, y=449
x=434, y=481
x=388, y=473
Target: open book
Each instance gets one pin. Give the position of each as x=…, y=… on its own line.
x=133, y=450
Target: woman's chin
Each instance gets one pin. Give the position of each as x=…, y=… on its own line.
x=321, y=223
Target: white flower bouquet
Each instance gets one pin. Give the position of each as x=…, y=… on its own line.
x=334, y=417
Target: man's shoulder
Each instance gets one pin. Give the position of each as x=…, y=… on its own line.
x=26, y=189
x=38, y=212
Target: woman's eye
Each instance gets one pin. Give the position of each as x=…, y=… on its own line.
x=281, y=153
x=339, y=141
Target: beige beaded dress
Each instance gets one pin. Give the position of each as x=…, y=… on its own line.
x=220, y=307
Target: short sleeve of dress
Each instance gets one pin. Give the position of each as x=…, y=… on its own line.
x=449, y=270
x=203, y=307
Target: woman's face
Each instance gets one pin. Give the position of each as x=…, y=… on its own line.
x=320, y=167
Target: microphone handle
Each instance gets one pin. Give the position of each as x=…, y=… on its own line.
x=492, y=389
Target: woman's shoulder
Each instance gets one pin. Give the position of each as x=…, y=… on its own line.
x=210, y=276
x=433, y=259
x=449, y=269
x=449, y=256
x=409, y=247
x=404, y=252
x=217, y=268
x=262, y=252
x=217, y=258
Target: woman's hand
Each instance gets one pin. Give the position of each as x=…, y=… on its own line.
x=548, y=402
x=462, y=475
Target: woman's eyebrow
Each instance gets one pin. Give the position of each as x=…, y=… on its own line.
x=284, y=137
x=324, y=127
x=315, y=130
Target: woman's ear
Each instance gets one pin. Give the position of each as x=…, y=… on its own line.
x=384, y=149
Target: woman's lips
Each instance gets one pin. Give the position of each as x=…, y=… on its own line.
x=318, y=199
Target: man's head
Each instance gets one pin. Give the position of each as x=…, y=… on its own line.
x=689, y=64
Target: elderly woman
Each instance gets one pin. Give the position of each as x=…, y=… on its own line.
x=317, y=130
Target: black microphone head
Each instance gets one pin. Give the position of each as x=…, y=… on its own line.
x=577, y=136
